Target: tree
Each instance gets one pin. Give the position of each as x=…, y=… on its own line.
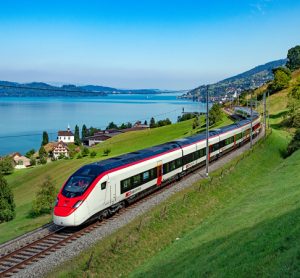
x=84, y=132
x=6, y=165
x=106, y=152
x=93, y=154
x=44, y=198
x=145, y=122
x=85, y=151
x=42, y=152
x=152, y=123
x=77, y=140
x=215, y=114
x=293, y=114
x=7, y=204
x=282, y=76
x=32, y=161
x=112, y=125
x=195, y=123
x=30, y=153
x=45, y=140
x=293, y=58
x=186, y=116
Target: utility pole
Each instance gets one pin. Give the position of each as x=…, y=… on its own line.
x=265, y=116
x=268, y=110
x=207, y=131
x=251, y=143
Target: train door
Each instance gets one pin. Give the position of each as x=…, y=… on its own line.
x=110, y=196
x=159, y=172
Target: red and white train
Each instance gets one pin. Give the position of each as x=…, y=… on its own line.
x=100, y=189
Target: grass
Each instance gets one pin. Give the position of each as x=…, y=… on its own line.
x=25, y=182
x=224, y=227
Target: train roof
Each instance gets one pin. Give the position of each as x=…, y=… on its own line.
x=118, y=161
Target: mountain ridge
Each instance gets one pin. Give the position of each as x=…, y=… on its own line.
x=41, y=89
x=250, y=79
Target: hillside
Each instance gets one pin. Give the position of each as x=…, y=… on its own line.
x=244, y=221
x=39, y=89
x=25, y=182
x=252, y=78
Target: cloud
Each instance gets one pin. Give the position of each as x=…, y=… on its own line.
x=260, y=7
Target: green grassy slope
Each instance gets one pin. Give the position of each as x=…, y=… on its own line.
x=244, y=222
x=25, y=182
x=255, y=233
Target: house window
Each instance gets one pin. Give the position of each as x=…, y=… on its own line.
x=69, y=137
x=64, y=138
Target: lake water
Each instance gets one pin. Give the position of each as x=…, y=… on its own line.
x=22, y=120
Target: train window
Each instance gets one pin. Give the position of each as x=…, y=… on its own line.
x=172, y=165
x=166, y=168
x=178, y=162
x=136, y=180
x=146, y=176
x=125, y=185
x=103, y=185
x=215, y=147
x=76, y=186
x=222, y=143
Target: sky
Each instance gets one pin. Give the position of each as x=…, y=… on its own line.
x=177, y=44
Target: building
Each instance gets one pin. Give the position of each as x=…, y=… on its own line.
x=20, y=161
x=65, y=136
x=95, y=139
x=60, y=149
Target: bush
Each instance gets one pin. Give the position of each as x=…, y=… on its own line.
x=61, y=156
x=79, y=156
x=294, y=145
x=45, y=198
x=30, y=153
x=282, y=76
x=85, y=151
x=6, y=165
x=43, y=160
x=32, y=161
x=106, y=152
x=42, y=152
x=7, y=204
x=215, y=114
x=93, y=154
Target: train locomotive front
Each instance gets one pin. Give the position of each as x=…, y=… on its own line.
x=74, y=203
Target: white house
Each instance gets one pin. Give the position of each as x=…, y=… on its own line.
x=60, y=149
x=65, y=136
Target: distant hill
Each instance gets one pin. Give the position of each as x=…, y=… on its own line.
x=39, y=89
x=250, y=79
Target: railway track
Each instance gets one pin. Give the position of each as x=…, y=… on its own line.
x=38, y=249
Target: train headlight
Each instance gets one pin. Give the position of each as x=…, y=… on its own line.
x=78, y=204
x=56, y=202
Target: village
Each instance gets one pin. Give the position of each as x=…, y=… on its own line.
x=66, y=145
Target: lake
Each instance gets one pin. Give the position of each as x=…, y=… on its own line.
x=24, y=119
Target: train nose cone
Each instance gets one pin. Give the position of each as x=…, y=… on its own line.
x=63, y=210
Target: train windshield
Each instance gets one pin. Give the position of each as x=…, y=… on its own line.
x=80, y=181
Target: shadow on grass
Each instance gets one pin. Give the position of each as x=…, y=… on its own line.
x=278, y=115
x=271, y=248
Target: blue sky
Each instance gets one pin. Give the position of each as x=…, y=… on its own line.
x=142, y=44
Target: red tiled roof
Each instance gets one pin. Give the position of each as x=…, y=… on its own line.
x=65, y=133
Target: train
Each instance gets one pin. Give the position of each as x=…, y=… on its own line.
x=100, y=189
